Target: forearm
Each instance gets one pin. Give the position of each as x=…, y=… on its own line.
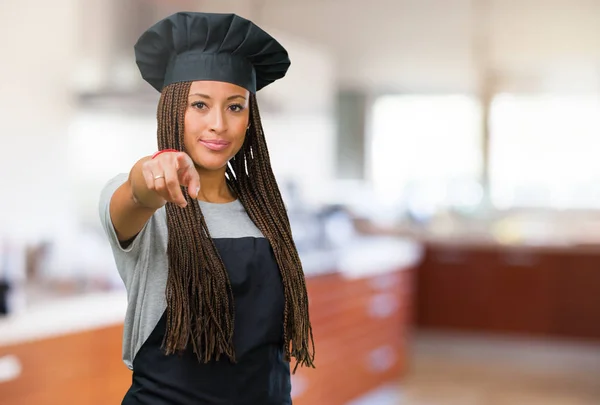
x=140, y=193
x=132, y=204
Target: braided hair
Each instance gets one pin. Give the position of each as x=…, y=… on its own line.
x=200, y=305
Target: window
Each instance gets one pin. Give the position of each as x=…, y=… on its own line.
x=426, y=151
x=543, y=151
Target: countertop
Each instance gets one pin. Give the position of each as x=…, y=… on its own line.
x=364, y=257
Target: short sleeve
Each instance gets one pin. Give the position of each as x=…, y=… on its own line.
x=106, y=194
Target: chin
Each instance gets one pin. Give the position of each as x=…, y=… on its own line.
x=212, y=163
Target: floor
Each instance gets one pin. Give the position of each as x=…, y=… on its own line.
x=449, y=369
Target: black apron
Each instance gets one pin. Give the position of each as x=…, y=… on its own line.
x=261, y=375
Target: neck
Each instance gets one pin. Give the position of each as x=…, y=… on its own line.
x=213, y=186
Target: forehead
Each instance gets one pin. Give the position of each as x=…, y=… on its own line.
x=216, y=89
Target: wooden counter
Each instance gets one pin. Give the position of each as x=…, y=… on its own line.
x=359, y=329
x=359, y=326
x=541, y=291
x=81, y=368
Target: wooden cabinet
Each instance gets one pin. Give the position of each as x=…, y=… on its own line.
x=524, y=290
x=448, y=279
x=82, y=368
x=359, y=327
x=521, y=291
x=578, y=296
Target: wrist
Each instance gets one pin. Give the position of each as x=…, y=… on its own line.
x=141, y=196
x=163, y=151
x=156, y=203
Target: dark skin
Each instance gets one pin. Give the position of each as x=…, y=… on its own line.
x=216, y=112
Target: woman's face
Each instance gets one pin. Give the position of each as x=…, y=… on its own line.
x=216, y=120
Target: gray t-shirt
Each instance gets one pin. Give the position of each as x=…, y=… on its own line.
x=143, y=263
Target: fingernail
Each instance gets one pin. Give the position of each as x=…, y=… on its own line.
x=197, y=191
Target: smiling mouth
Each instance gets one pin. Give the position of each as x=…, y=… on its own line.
x=215, y=145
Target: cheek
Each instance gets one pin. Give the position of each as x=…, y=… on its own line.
x=191, y=128
x=240, y=131
x=237, y=127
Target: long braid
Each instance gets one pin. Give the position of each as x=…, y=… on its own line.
x=259, y=193
x=200, y=305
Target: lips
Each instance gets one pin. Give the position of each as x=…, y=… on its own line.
x=215, y=145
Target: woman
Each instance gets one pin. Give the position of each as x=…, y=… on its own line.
x=217, y=302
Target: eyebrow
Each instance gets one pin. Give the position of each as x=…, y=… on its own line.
x=208, y=97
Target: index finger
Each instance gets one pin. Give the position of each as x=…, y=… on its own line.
x=172, y=182
x=192, y=182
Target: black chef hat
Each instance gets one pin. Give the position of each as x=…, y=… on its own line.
x=205, y=46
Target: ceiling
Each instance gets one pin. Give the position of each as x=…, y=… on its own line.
x=433, y=45
x=409, y=45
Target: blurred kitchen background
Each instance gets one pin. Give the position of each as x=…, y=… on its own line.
x=439, y=159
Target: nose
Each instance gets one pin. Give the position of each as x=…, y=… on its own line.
x=218, y=122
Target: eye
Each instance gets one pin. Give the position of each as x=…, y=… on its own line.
x=236, y=107
x=199, y=105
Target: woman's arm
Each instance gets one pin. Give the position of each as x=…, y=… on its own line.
x=151, y=184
